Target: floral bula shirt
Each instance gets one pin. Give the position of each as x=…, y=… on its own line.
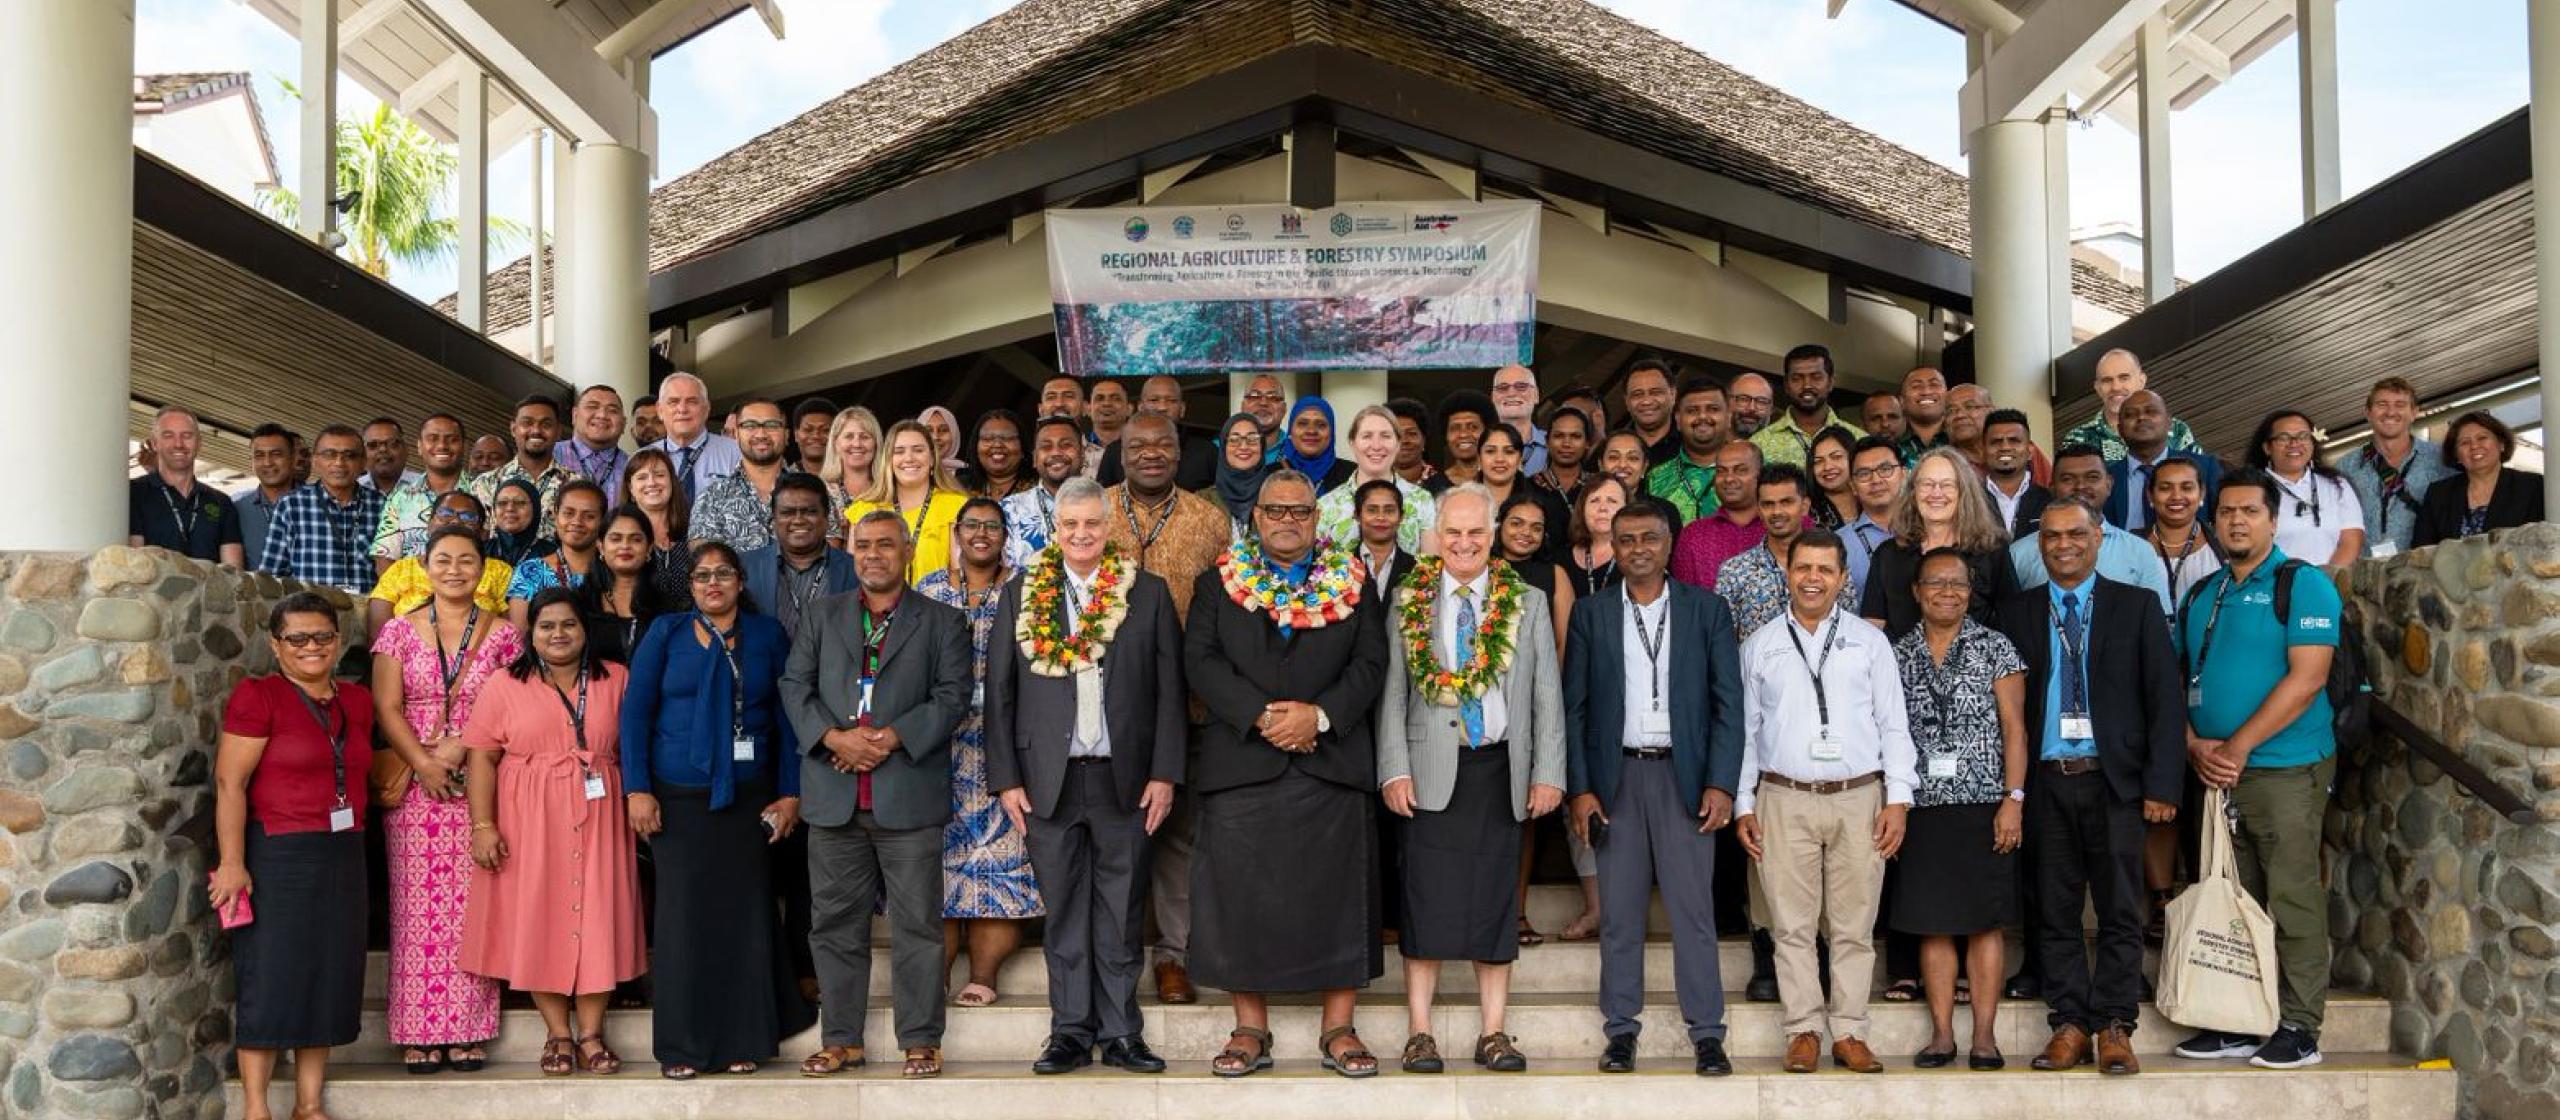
x=1955, y=720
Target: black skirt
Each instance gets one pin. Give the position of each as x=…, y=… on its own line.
x=1284, y=887
x=1462, y=868
x=300, y=962
x=1951, y=882
x=722, y=993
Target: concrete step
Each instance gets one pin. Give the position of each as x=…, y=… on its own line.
x=1548, y=1026
x=2349, y=1086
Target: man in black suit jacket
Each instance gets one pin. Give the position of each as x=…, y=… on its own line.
x=1084, y=750
x=2109, y=740
x=2009, y=473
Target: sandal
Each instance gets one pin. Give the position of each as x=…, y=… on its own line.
x=1964, y=993
x=1355, y=1061
x=922, y=1061
x=1585, y=927
x=469, y=1059
x=831, y=1060
x=603, y=1062
x=1421, y=1055
x=1529, y=935
x=678, y=1072
x=559, y=1057
x=1236, y=1061
x=968, y=995
x=1498, y=1053
x=424, y=1060
x=742, y=1067
x=1902, y=991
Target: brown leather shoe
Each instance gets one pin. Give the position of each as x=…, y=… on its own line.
x=2115, y=1051
x=2068, y=1049
x=1852, y=1055
x=1173, y=983
x=1804, y=1051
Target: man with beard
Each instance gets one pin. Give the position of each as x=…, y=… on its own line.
x=1881, y=413
x=1733, y=529
x=1085, y=744
x=168, y=509
x=737, y=508
x=272, y=455
x=1650, y=409
x=2079, y=473
x=1688, y=479
x=403, y=528
x=2006, y=444
x=535, y=428
x=386, y=456
x=1789, y=438
x=1751, y=399
x=1924, y=413
x=1057, y=450
x=646, y=427
x=2148, y=443
x=595, y=449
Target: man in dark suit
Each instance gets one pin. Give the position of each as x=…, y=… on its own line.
x=2008, y=451
x=788, y=577
x=2106, y=720
x=1084, y=749
x=877, y=681
x=1653, y=750
x=2147, y=427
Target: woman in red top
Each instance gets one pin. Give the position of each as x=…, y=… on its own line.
x=289, y=818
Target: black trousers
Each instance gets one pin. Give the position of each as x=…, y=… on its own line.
x=2084, y=843
x=1092, y=858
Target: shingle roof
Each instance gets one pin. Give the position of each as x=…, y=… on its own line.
x=1045, y=64
x=171, y=89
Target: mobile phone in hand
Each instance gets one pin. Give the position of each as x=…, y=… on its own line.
x=1599, y=830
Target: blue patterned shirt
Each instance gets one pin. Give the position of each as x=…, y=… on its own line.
x=314, y=538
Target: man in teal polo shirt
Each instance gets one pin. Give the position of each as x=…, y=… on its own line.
x=2258, y=725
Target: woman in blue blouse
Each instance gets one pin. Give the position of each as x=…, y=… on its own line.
x=710, y=781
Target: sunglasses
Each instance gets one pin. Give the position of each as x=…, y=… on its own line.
x=321, y=638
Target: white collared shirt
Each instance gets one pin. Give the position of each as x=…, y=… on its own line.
x=1080, y=593
x=2301, y=534
x=1497, y=712
x=1780, y=715
x=1647, y=676
x=2007, y=503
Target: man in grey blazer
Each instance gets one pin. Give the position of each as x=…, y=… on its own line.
x=1463, y=768
x=877, y=680
x=1084, y=750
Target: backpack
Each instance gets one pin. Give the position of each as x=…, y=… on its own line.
x=2349, y=691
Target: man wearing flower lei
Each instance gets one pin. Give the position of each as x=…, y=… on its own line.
x=1288, y=653
x=1470, y=745
x=1085, y=742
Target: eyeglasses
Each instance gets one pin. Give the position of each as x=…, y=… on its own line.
x=459, y=516
x=336, y=453
x=980, y=525
x=999, y=437
x=1946, y=585
x=321, y=638
x=715, y=575
x=763, y=425
x=1287, y=513
x=1934, y=486
x=2289, y=437
x=781, y=512
x=1264, y=395
x=1863, y=474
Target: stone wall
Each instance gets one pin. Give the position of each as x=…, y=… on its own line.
x=2438, y=902
x=114, y=988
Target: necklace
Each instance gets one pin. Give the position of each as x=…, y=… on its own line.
x=1418, y=618
x=1048, y=597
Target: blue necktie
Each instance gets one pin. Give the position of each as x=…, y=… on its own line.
x=1470, y=709
x=2075, y=691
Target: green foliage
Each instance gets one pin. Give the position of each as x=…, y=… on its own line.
x=402, y=180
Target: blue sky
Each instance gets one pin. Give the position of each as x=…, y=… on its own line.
x=2413, y=77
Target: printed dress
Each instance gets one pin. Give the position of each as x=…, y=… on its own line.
x=986, y=870
x=432, y=1001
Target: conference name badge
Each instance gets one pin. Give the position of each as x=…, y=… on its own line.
x=342, y=819
x=2077, y=727
x=743, y=748
x=1653, y=721
x=1942, y=767
x=1826, y=745
x=595, y=787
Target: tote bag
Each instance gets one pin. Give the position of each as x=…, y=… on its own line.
x=2218, y=960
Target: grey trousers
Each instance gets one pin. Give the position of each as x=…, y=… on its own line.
x=849, y=866
x=1091, y=857
x=1654, y=840
x=1171, y=900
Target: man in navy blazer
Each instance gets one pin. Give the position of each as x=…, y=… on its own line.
x=798, y=569
x=1653, y=734
x=2145, y=418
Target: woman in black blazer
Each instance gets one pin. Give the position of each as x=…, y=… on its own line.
x=2487, y=495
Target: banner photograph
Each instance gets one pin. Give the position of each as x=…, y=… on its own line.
x=1373, y=285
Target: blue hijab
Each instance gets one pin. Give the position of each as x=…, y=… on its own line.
x=1315, y=467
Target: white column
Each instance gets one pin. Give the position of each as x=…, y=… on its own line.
x=2159, y=257
x=2011, y=313
x=2543, y=38
x=564, y=266
x=66, y=73
x=1349, y=391
x=471, y=216
x=317, y=181
x=536, y=150
x=2315, y=27
x=604, y=322
x=2057, y=234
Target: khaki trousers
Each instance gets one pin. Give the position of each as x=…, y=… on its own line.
x=1822, y=874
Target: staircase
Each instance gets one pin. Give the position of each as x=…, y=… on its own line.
x=1552, y=1015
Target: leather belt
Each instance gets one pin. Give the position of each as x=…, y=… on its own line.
x=2085, y=765
x=1089, y=760
x=1842, y=786
x=1645, y=752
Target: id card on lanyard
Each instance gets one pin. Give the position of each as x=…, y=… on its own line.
x=742, y=746
x=342, y=816
x=1654, y=720
x=2204, y=645
x=593, y=783
x=873, y=639
x=1825, y=746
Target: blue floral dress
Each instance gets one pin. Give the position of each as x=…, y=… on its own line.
x=986, y=870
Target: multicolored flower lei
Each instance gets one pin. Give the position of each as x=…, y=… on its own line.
x=1040, y=626
x=1497, y=629
x=1330, y=593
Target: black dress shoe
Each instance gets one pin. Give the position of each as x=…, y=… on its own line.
x=1763, y=986
x=2025, y=985
x=1620, y=1056
x=1711, y=1059
x=1131, y=1054
x=1065, y=1055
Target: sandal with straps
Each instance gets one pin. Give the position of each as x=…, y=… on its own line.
x=604, y=1062
x=1236, y=1061
x=678, y=1072
x=1354, y=1062
x=966, y=997
x=559, y=1057
x=742, y=1067
x=831, y=1060
x=922, y=1061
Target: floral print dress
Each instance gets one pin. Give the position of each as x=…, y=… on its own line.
x=986, y=869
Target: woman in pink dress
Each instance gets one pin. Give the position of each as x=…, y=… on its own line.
x=428, y=667
x=555, y=906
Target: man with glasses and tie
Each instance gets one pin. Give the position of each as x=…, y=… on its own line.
x=1875, y=476
x=700, y=455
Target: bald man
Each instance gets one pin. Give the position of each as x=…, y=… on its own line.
x=2120, y=376
x=1515, y=401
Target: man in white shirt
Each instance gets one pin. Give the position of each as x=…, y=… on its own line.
x=1827, y=777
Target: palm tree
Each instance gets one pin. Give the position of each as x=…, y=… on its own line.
x=399, y=177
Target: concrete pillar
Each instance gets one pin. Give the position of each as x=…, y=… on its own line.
x=604, y=324
x=66, y=73
x=2315, y=24
x=316, y=183
x=471, y=215
x=564, y=231
x=2012, y=312
x=537, y=329
x=2159, y=256
x=2543, y=39
x=1349, y=391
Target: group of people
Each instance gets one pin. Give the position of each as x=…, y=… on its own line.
x=1262, y=706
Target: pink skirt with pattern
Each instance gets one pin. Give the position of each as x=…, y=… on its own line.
x=433, y=1002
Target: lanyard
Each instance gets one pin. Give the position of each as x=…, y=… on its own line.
x=577, y=717
x=873, y=639
x=612, y=457
x=2169, y=566
x=2204, y=648
x=451, y=671
x=187, y=520
x=1828, y=640
x=1652, y=639
x=1147, y=537
x=1594, y=579
x=799, y=587
x=1048, y=503
x=2312, y=477
x=737, y=676
x=336, y=734
x=560, y=568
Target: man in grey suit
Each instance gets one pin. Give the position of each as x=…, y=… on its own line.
x=1464, y=767
x=1084, y=747
x=877, y=680
x=1653, y=732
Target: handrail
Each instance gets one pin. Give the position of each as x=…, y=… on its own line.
x=2471, y=778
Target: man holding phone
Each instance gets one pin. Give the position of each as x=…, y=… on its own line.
x=1653, y=737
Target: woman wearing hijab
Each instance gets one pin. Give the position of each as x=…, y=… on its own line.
x=1309, y=446
x=1241, y=465
x=943, y=428
x=515, y=527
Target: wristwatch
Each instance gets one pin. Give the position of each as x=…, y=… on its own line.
x=2018, y=795
x=1324, y=723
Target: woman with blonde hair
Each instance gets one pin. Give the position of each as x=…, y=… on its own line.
x=921, y=490
x=1942, y=506
x=853, y=449
x=1373, y=459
